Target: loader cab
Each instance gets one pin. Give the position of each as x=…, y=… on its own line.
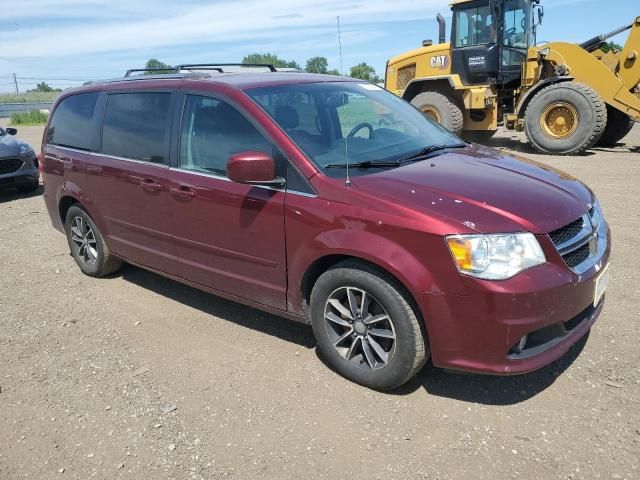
x=490, y=39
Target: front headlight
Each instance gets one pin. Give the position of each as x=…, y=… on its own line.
x=495, y=257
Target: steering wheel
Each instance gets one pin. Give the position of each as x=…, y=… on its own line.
x=510, y=32
x=359, y=127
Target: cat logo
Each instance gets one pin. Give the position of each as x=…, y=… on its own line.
x=440, y=61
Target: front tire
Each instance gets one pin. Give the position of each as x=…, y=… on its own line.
x=565, y=119
x=87, y=245
x=365, y=326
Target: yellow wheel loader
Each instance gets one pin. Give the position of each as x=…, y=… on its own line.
x=566, y=97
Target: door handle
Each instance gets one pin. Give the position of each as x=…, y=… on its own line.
x=150, y=185
x=183, y=192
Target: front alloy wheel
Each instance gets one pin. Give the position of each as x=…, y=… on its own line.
x=366, y=326
x=360, y=329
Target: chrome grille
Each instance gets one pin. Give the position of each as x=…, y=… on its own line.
x=568, y=232
x=10, y=165
x=575, y=258
x=582, y=242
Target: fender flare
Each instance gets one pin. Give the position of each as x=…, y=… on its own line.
x=69, y=189
x=527, y=97
x=422, y=80
x=410, y=271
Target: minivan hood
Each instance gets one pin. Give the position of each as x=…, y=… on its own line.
x=485, y=191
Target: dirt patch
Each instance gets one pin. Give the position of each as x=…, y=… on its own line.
x=137, y=376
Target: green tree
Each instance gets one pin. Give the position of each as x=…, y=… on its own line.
x=317, y=65
x=365, y=72
x=156, y=67
x=270, y=59
x=611, y=46
x=333, y=72
x=42, y=87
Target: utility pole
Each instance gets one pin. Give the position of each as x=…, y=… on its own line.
x=340, y=46
x=15, y=81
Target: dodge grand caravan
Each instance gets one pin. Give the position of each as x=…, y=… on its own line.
x=330, y=201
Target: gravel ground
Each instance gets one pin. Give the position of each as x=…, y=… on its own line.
x=138, y=376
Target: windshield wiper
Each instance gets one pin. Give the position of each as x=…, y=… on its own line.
x=427, y=151
x=419, y=155
x=365, y=164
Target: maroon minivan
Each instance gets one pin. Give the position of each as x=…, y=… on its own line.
x=330, y=201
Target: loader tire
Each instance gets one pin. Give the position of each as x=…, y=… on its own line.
x=618, y=126
x=440, y=108
x=565, y=119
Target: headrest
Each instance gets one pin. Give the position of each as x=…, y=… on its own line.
x=287, y=117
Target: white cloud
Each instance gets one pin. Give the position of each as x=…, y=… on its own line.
x=121, y=25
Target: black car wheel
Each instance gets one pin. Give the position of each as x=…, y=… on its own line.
x=365, y=326
x=87, y=245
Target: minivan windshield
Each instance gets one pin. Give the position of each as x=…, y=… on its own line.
x=333, y=122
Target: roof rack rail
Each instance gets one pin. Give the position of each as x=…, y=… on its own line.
x=137, y=70
x=216, y=67
x=219, y=66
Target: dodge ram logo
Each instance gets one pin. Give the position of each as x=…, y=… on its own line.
x=440, y=61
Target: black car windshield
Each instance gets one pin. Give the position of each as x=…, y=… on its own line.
x=335, y=121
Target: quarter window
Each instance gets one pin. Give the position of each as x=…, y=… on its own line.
x=136, y=126
x=212, y=131
x=72, y=124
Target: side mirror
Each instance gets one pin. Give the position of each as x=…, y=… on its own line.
x=256, y=168
x=11, y=130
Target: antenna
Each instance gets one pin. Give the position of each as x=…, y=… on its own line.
x=340, y=45
x=347, y=181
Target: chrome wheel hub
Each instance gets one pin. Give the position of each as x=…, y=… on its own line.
x=84, y=240
x=359, y=327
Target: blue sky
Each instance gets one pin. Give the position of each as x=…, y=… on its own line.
x=67, y=41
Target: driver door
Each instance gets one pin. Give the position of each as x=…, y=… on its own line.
x=229, y=236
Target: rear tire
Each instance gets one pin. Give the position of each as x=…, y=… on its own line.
x=87, y=245
x=618, y=126
x=565, y=119
x=440, y=108
x=376, y=342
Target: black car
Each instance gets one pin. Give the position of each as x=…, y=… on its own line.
x=18, y=163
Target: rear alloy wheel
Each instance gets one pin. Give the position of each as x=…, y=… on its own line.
x=619, y=125
x=440, y=108
x=565, y=119
x=365, y=327
x=87, y=245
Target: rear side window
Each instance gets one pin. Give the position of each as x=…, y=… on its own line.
x=72, y=124
x=136, y=126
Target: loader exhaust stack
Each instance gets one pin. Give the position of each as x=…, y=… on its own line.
x=443, y=27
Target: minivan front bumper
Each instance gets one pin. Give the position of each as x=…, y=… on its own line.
x=515, y=326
